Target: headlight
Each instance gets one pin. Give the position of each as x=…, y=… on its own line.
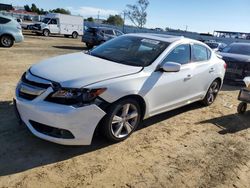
x=75, y=96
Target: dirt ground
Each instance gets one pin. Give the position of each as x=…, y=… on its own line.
x=189, y=147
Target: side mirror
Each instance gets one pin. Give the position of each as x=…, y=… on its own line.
x=171, y=67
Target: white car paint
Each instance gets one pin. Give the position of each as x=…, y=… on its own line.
x=161, y=91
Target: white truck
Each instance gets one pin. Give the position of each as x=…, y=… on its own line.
x=55, y=23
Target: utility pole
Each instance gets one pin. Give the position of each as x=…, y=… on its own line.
x=186, y=28
x=124, y=17
x=98, y=16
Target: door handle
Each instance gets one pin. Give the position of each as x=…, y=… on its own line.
x=211, y=70
x=188, y=77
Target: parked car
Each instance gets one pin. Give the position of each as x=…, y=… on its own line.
x=237, y=57
x=115, y=86
x=97, y=35
x=10, y=31
x=216, y=46
x=62, y=24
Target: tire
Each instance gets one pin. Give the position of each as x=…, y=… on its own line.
x=242, y=108
x=121, y=120
x=6, y=41
x=46, y=32
x=89, y=46
x=211, y=93
x=74, y=35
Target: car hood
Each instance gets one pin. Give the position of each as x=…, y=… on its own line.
x=79, y=69
x=235, y=57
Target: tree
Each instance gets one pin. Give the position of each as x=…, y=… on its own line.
x=90, y=19
x=60, y=10
x=137, y=12
x=34, y=8
x=115, y=20
x=27, y=8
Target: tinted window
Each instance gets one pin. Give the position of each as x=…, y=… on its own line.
x=199, y=53
x=213, y=45
x=180, y=54
x=109, y=32
x=4, y=20
x=130, y=50
x=238, y=49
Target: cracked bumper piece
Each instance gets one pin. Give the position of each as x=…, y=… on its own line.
x=60, y=124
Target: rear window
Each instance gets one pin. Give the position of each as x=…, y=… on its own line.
x=4, y=20
x=109, y=32
x=213, y=45
x=237, y=49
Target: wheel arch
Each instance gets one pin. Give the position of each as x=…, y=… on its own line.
x=8, y=34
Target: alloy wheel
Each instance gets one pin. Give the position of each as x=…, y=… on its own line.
x=124, y=120
x=212, y=93
x=6, y=41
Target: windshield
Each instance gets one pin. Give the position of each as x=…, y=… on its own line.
x=238, y=49
x=130, y=50
x=46, y=20
x=213, y=45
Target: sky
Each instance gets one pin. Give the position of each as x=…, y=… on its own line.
x=196, y=15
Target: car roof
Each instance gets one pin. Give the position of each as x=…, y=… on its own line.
x=241, y=43
x=103, y=28
x=164, y=38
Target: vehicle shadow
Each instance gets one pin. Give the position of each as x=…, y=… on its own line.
x=230, y=124
x=71, y=48
x=232, y=86
x=20, y=150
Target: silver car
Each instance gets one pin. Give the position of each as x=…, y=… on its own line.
x=10, y=31
x=115, y=86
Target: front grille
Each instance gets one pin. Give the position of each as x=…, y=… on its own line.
x=29, y=89
x=51, y=131
x=32, y=83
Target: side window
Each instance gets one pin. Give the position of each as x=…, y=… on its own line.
x=180, y=54
x=109, y=32
x=53, y=21
x=118, y=33
x=4, y=20
x=200, y=53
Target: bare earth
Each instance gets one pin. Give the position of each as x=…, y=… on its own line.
x=189, y=147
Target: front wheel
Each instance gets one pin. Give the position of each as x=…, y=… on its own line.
x=46, y=32
x=211, y=93
x=74, y=35
x=6, y=41
x=89, y=46
x=121, y=120
x=242, y=108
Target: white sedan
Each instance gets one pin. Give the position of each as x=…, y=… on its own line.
x=115, y=86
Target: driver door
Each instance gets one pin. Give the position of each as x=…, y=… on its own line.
x=172, y=89
x=54, y=26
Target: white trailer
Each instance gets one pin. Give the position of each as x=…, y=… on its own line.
x=55, y=23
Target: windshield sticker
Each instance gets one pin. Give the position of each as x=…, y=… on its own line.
x=149, y=41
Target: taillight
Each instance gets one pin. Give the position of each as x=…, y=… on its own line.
x=225, y=66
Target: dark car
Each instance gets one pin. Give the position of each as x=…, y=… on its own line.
x=97, y=35
x=216, y=46
x=237, y=57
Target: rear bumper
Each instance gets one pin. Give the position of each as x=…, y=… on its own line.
x=80, y=122
x=19, y=38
